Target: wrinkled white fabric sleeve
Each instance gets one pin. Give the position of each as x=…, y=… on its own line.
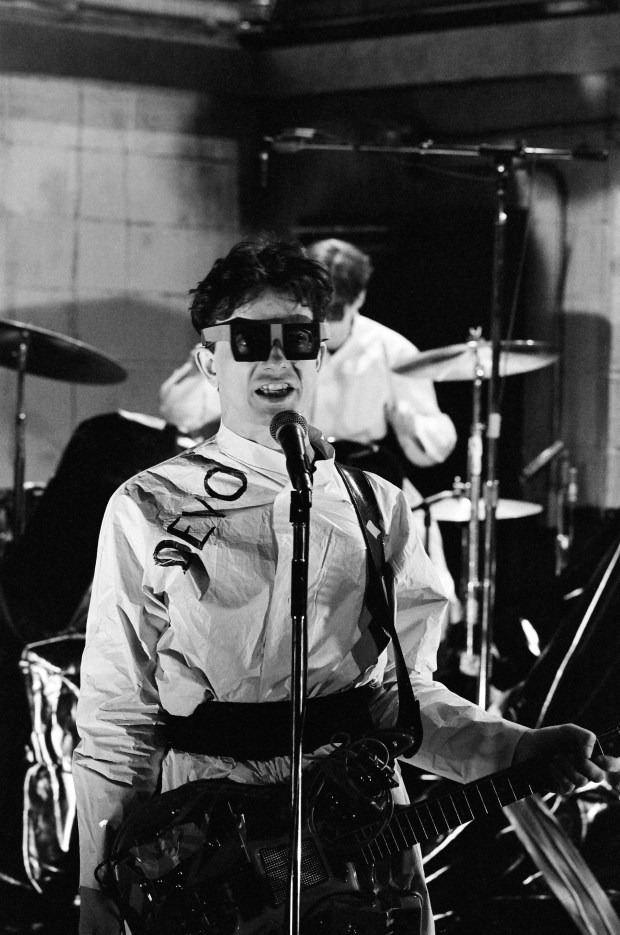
x=118, y=712
x=425, y=433
x=427, y=438
x=187, y=400
x=461, y=740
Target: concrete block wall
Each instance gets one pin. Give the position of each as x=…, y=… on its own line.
x=612, y=485
x=588, y=328
x=587, y=325
x=112, y=206
x=115, y=199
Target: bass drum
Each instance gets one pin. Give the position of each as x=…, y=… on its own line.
x=47, y=570
x=33, y=491
x=51, y=672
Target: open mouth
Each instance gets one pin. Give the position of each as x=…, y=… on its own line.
x=275, y=390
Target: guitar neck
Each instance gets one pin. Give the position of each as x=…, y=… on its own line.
x=429, y=819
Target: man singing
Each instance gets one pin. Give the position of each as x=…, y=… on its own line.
x=190, y=606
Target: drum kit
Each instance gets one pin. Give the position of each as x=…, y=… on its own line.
x=471, y=361
x=50, y=667
x=52, y=680
x=29, y=349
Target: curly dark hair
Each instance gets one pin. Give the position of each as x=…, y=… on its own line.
x=349, y=268
x=255, y=266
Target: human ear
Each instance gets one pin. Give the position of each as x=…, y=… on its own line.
x=357, y=304
x=206, y=364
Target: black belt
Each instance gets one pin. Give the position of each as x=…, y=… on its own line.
x=261, y=731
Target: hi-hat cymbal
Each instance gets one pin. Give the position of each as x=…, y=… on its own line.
x=458, y=509
x=458, y=361
x=54, y=355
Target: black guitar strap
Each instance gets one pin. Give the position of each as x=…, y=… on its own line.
x=380, y=591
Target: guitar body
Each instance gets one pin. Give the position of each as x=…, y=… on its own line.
x=211, y=858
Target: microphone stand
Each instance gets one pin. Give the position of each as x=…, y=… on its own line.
x=301, y=501
x=296, y=141
x=503, y=165
x=504, y=159
x=470, y=661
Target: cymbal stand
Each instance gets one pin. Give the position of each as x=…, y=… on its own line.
x=470, y=660
x=19, y=469
x=426, y=503
x=503, y=163
x=503, y=157
x=565, y=500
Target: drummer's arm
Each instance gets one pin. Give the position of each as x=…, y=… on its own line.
x=426, y=434
x=187, y=400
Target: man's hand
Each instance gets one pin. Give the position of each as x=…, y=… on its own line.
x=568, y=749
x=401, y=417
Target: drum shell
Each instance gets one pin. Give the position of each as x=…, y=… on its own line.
x=47, y=571
x=51, y=672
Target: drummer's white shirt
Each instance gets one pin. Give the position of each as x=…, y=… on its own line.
x=210, y=619
x=357, y=385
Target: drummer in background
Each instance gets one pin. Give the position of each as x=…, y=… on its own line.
x=358, y=397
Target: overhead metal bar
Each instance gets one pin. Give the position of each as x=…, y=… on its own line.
x=571, y=46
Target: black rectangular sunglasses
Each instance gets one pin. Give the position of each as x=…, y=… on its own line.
x=251, y=339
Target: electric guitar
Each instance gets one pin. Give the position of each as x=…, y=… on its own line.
x=211, y=857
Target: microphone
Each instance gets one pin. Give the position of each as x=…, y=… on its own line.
x=288, y=147
x=293, y=141
x=290, y=430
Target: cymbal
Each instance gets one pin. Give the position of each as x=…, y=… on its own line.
x=56, y=356
x=458, y=361
x=458, y=509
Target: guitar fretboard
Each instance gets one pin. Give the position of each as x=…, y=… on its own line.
x=430, y=819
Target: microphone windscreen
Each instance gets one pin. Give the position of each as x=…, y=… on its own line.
x=287, y=417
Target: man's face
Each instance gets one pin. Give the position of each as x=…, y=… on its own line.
x=251, y=393
x=339, y=331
